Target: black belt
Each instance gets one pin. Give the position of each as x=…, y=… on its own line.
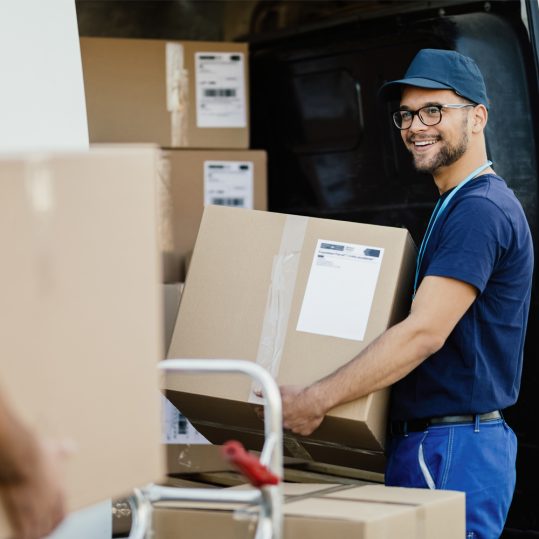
x=418, y=425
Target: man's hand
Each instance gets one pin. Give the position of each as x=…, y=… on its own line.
x=302, y=410
x=35, y=501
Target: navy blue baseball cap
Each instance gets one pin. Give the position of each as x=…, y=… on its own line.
x=442, y=70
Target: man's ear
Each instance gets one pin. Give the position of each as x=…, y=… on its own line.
x=479, y=118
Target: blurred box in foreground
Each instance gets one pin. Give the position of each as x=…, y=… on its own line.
x=81, y=311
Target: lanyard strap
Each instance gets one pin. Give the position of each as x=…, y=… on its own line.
x=438, y=209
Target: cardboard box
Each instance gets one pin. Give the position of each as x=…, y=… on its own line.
x=81, y=311
x=189, y=94
x=191, y=179
x=195, y=458
x=322, y=511
x=171, y=301
x=272, y=288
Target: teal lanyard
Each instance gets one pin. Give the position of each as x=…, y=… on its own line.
x=436, y=213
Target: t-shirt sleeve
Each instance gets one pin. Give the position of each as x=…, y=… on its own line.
x=472, y=238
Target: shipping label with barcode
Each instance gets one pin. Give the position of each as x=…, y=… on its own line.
x=220, y=89
x=176, y=428
x=229, y=183
x=340, y=289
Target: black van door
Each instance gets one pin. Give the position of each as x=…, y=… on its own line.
x=332, y=151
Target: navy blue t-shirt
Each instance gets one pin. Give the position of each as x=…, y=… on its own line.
x=482, y=238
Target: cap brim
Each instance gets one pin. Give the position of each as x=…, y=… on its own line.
x=390, y=89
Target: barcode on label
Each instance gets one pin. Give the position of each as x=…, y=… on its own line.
x=222, y=201
x=220, y=92
x=182, y=424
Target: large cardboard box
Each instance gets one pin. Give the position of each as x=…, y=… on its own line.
x=300, y=296
x=81, y=312
x=191, y=179
x=322, y=511
x=191, y=94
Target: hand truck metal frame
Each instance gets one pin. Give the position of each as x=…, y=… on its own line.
x=269, y=498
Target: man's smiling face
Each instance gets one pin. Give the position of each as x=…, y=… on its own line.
x=435, y=146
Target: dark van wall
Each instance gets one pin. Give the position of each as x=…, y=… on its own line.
x=511, y=131
x=334, y=149
x=333, y=152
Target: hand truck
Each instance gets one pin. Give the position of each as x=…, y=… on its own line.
x=264, y=474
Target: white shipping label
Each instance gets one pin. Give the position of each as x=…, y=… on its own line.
x=220, y=89
x=340, y=290
x=176, y=429
x=229, y=183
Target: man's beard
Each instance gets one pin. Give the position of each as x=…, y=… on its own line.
x=447, y=155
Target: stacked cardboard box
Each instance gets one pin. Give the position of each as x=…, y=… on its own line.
x=322, y=511
x=180, y=94
x=193, y=179
x=300, y=296
x=81, y=312
x=191, y=98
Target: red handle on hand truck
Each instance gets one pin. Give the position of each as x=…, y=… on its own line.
x=249, y=465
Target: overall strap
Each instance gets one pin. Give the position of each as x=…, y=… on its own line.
x=438, y=209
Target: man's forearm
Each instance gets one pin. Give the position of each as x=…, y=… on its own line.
x=387, y=359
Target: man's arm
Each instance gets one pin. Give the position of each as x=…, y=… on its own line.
x=31, y=483
x=440, y=302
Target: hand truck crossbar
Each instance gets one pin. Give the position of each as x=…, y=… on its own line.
x=268, y=497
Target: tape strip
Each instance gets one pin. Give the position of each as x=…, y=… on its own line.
x=421, y=521
x=280, y=292
x=166, y=205
x=291, y=498
x=40, y=188
x=248, y=512
x=177, y=93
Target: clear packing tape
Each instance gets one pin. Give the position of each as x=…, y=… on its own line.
x=40, y=186
x=280, y=292
x=331, y=492
x=177, y=93
x=165, y=203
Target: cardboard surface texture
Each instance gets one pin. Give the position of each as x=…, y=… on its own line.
x=248, y=288
x=171, y=301
x=322, y=511
x=81, y=312
x=191, y=179
x=193, y=459
x=190, y=94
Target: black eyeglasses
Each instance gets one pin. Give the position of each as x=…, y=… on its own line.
x=429, y=115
